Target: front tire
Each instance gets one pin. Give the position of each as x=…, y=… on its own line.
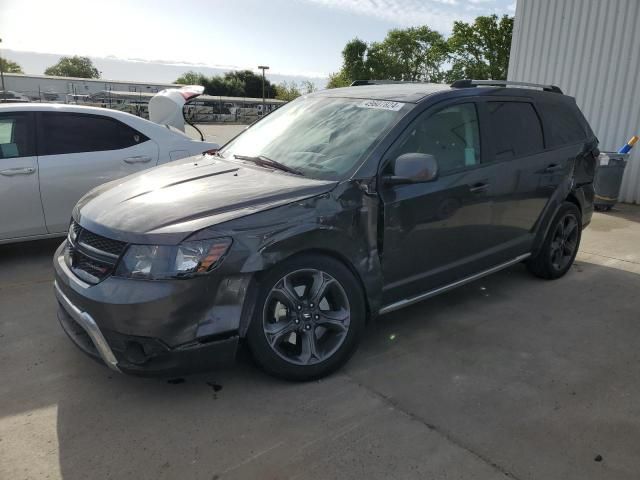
x=560, y=247
x=309, y=318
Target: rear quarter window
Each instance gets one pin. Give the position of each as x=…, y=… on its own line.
x=563, y=124
x=516, y=129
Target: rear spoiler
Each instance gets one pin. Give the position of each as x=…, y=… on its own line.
x=165, y=107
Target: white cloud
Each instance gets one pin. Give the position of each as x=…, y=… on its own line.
x=512, y=7
x=437, y=14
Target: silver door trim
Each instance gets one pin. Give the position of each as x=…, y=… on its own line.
x=432, y=293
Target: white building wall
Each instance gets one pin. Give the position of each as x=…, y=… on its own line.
x=591, y=50
x=33, y=85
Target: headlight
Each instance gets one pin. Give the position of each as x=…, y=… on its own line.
x=153, y=262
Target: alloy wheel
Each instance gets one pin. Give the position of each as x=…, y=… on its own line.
x=306, y=316
x=564, y=241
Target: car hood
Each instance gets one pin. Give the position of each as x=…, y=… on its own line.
x=167, y=203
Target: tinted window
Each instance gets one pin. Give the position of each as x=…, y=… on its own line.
x=451, y=135
x=516, y=129
x=563, y=124
x=16, y=135
x=74, y=133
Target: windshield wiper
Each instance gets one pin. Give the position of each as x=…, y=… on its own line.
x=268, y=162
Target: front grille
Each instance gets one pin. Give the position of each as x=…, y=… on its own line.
x=113, y=247
x=92, y=257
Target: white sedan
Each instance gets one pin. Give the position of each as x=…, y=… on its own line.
x=51, y=155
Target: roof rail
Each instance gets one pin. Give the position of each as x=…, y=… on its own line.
x=359, y=83
x=503, y=83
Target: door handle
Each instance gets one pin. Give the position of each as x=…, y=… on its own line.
x=478, y=187
x=11, y=172
x=554, y=167
x=138, y=159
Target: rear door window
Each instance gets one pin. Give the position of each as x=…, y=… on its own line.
x=563, y=124
x=16, y=135
x=64, y=133
x=516, y=129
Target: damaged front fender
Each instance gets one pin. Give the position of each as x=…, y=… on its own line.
x=341, y=224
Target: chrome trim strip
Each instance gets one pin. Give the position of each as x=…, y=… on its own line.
x=432, y=293
x=88, y=323
x=91, y=249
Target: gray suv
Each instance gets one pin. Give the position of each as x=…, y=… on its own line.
x=340, y=206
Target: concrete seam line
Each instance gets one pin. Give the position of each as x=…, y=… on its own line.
x=444, y=434
x=611, y=258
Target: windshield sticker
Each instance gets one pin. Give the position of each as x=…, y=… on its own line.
x=381, y=105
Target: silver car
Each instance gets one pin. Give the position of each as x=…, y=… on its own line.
x=51, y=155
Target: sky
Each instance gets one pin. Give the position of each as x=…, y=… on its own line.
x=296, y=38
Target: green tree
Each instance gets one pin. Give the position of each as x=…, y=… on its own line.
x=252, y=82
x=411, y=54
x=338, y=80
x=354, y=62
x=10, y=67
x=241, y=83
x=477, y=50
x=81, y=67
x=191, y=78
x=480, y=50
x=308, y=86
x=287, y=91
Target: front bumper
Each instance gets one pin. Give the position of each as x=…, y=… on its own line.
x=83, y=330
x=152, y=327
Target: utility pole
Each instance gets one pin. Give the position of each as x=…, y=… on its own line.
x=4, y=91
x=263, y=68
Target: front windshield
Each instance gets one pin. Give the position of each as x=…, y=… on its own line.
x=320, y=137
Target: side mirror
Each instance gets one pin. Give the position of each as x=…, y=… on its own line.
x=413, y=168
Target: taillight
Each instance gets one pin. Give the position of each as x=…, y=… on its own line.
x=213, y=151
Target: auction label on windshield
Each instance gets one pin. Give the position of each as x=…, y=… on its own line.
x=381, y=105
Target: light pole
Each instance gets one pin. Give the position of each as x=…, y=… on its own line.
x=4, y=91
x=263, y=68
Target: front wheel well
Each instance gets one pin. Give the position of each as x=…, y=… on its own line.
x=340, y=258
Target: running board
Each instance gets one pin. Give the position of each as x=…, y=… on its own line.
x=432, y=293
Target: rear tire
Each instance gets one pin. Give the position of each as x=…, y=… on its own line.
x=560, y=247
x=309, y=318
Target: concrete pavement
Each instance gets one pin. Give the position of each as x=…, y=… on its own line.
x=507, y=377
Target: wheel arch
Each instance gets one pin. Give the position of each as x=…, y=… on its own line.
x=573, y=198
x=346, y=262
x=369, y=282
x=567, y=194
